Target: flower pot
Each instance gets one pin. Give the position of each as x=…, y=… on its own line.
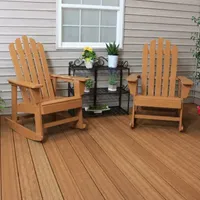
x=112, y=61
x=87, y=90
x=112, y=88
x=88, y=64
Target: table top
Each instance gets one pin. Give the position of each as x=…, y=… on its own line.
x=99, y=64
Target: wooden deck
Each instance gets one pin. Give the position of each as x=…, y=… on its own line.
x=107, y=161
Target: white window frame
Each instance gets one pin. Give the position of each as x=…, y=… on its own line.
x=99, y=45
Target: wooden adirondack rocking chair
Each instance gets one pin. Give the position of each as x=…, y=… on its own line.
x=158, y=81
x=38, y=89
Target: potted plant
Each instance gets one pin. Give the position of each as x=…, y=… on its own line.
x=88, y=56
x=112, y=82
x=113, y=52
x=88, y=85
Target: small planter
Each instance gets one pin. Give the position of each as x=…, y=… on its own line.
x=112, y=61
x=113, y=52
x=97, y=109
x=87, y=90
x=112, y=88
x=89, y=64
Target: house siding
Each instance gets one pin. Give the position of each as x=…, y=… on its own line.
x=144, y=21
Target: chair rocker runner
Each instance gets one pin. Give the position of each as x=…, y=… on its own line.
x=158, y=82
x=38, y=89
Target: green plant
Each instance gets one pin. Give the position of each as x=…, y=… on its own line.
x=196, y=51
x=88, y=54
x=2, y=104
x=89, y=83
x=112, y=79
x=112, y=49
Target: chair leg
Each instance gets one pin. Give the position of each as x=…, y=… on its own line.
x=38, y=124
x=132, y=124
x=181, y=120
x=80, y=124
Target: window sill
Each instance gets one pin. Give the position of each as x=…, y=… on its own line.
x=82, y=45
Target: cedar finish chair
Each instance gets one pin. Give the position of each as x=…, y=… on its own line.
x=38, y=89
x=158, y=81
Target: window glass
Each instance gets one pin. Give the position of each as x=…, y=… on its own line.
x=108, y=34
x=90, y=17
x=70, y=34
x=108, y=18
x=92, y=2
x=89, y=34
x=110, y=2
x=71, y=16
x=72, y=1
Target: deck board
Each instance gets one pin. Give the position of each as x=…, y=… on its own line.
x=137, y=179
x=117, y=177
x=149, y=174
x=106, y=161
x=105, y=185
x=9, y=172
x=28, y=180
x=46, y=178
x=82, y=178
x=167, y=171
x=61, y=171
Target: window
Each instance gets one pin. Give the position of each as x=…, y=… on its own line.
x=92, y=23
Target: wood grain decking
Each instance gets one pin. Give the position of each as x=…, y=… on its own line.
x=108, y=161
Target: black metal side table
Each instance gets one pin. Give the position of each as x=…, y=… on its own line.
x=100, y=65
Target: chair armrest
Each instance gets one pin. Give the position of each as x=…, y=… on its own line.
x=185, y=86
x=133, y=83
x=25, y=84
x=69, y=78
x=185, y=81
x=79, y=82
x=133, y=78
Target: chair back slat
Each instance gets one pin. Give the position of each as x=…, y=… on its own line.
x=159, y=67
x=22, y=60
x=173, y=71
x=46, y=70
x=39, y=68
x=30, y=61
x=152, y=68
x=30, y=65
x=144, y=69
x=18, y=71
x=165, y=89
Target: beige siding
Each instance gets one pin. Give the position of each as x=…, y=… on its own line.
x=144, y=20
